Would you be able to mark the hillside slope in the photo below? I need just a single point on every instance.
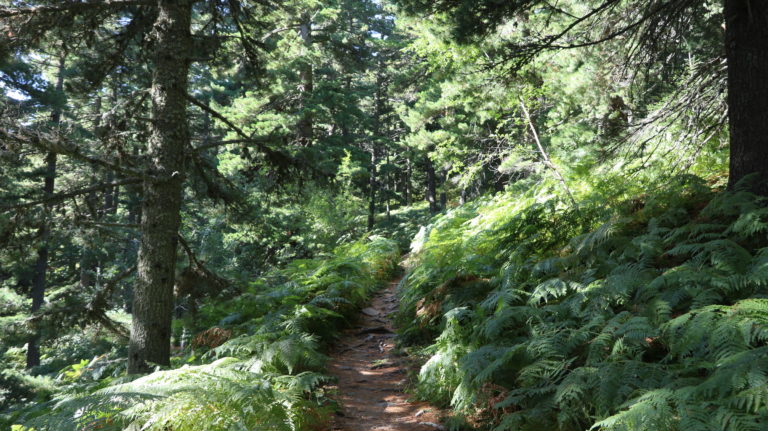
(642, 314)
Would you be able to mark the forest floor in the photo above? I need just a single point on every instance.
(372, 376)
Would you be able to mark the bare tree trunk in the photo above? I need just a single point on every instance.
(306, 75)
(746, 47)
(88, 263)
(408, 187)
(443, 187)
(37, 293)
(152, 309)
(372, 189)
(345, 134)
(431, 187)
(388, 189)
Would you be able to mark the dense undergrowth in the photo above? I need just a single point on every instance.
(644, 313)
(259, 366)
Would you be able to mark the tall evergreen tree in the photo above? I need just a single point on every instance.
(40, 271)
(166, 26)
(153, 294)
(654, 25)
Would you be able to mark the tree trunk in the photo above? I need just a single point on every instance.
(388, 189)
(112, 195)
(372, 190)
(345, 134)
(375, 139)
(408, 188)
(37, 292)
(306, 75)
(431, 192)
(746, 49)
(152, 309)
(88, 262)
(443, 189)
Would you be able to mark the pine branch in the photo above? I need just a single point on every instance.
(221, 282)
(246, 138)
(73, 193)
(37, 141)
(99, 303)
(106, 224)
(545, 156)
(77, 7)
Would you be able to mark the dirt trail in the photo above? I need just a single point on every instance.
(371, 377)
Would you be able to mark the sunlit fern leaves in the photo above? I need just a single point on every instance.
(654, 319)
(266, 377)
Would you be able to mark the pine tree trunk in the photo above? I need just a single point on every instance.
(408, 187)
(388, 189)
(431, 187)
(152, 309)
(345, 134)
(443, 189)
(372, 190)
(37, 292)
(306, 75)
(747, 54)
(88, 263)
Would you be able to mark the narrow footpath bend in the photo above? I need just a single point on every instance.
(371, 377)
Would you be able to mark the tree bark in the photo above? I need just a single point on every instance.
(306, 75)
(746, 48)
(388, 185)
(152, 308)
(431, 186)
(375, 139)
(88, 263)
(443, 189)
(37, 292)
(372, 190)
(408, 188)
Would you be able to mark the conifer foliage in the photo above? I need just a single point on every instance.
(197, 196)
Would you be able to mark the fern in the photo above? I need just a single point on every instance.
(654, 319)
(266, 377)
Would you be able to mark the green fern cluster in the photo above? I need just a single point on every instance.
(656, 319)
(268, 377)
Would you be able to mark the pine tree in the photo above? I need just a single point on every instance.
(166, 25)
(41, 264)
(655, 24)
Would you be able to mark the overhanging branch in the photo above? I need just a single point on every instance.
(38, 141)
(63, 196)
(9, 12)
(246, 138)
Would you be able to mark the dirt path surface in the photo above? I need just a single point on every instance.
(371, 377)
